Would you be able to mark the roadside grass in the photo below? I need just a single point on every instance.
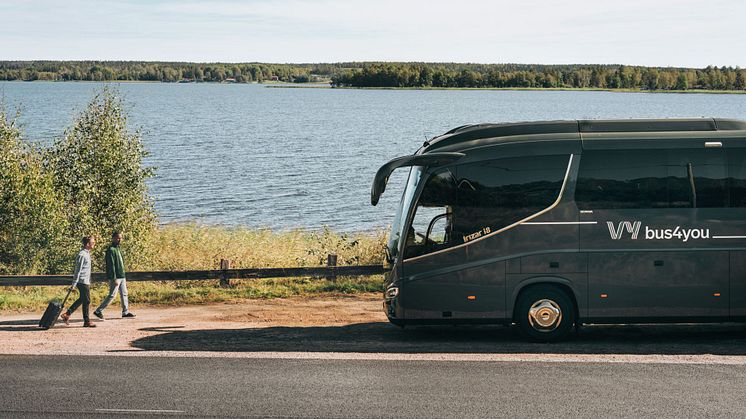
(20, 299)
(177, 247)
(193, 246)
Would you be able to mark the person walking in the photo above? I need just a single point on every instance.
(82, 279)
(116, 276)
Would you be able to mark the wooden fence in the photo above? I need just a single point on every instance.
(225, 274)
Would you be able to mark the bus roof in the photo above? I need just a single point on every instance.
(569, 136)
(611, 128)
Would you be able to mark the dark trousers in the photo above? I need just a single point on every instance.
(84, 299)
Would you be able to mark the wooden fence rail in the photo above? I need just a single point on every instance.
(225, 275)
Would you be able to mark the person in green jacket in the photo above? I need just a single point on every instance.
(116, 276)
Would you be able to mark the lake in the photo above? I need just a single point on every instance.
(246, 154)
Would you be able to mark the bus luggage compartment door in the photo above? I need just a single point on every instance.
(440, 287)
(658, 285)
(631, 277)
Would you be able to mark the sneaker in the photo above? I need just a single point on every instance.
(65, 318)
(88, 324)
(128, 316)
(98, 314)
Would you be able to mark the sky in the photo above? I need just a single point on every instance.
(678, 33)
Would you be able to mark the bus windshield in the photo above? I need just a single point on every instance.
(415, 174)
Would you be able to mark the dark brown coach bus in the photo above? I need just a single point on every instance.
(554, 224)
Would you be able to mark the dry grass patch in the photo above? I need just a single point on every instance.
(193, 246)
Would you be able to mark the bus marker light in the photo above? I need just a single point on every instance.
(604, 295)
(471, 297)
(717, 294)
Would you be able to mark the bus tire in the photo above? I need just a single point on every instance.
(545, 313)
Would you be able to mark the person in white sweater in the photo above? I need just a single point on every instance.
(82, 279)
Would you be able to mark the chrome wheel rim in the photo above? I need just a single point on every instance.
(545, 315)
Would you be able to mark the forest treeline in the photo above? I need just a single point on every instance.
(377, 74)
(161, 71)
(540, 76)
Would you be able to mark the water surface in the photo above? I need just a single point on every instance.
(245, 154)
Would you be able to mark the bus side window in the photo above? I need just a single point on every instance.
(636, 179)
(469, 201)
(497, 193)
(709, 175)
(433, 211)
(616, 179)
(737, 177)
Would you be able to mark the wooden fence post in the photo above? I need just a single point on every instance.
(225, 264)
(331, 261)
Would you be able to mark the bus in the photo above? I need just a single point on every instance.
(550, 225)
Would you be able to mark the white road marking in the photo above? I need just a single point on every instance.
(702, 359)
(137, 411)
(699, 359)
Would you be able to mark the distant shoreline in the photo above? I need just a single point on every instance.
(545, 89)
(391, 75)
(132, 81)
(285, 85)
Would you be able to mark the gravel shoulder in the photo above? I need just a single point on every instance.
(354, 327)
(20, 334)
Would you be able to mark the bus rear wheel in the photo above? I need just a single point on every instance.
(545, 313)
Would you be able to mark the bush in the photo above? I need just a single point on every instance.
(100, 175)
(32, 223)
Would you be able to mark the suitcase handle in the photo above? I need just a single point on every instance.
(69, 290)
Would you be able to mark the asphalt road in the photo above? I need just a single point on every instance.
(70, 386)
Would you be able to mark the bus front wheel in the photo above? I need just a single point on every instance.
(545, 313)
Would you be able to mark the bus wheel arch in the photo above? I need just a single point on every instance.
(545, 309)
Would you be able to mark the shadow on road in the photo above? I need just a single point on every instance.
(19, 322)
(19, 326)
(385, 338)
(21, 329)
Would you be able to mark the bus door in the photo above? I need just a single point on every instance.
(432, 265)
(647, 230)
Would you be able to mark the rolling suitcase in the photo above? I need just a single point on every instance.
(53, 311)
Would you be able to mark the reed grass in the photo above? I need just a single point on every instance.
(194, 246)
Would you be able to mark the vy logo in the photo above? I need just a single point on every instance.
(631, 227)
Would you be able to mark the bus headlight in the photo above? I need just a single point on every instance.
(391, 293)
